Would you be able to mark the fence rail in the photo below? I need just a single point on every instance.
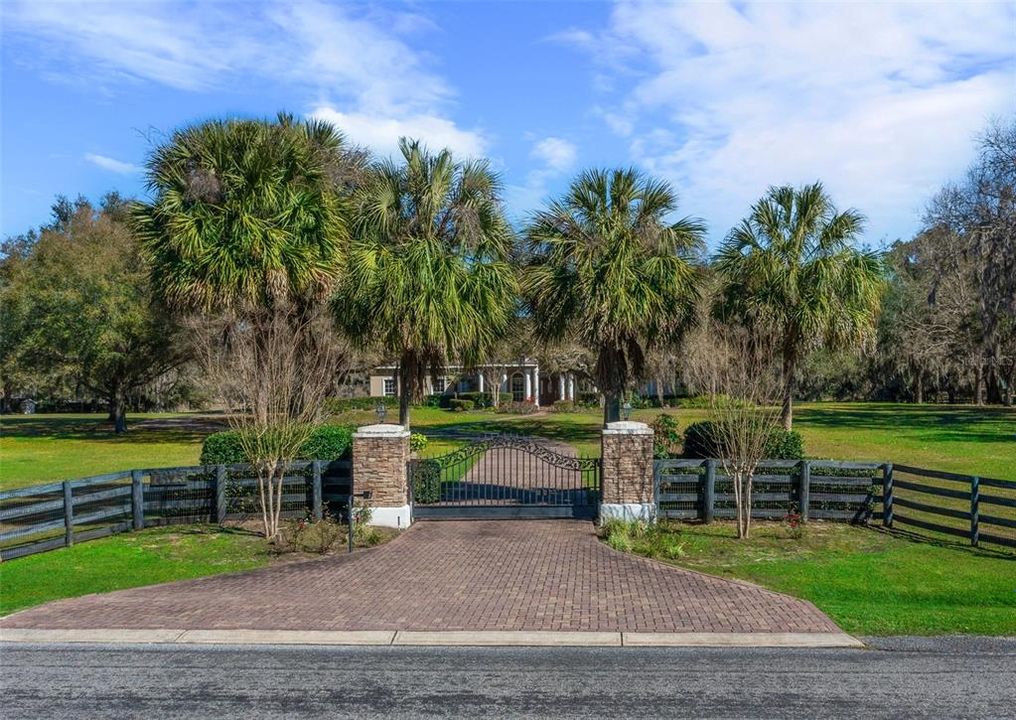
(931, 500)
(45, 517)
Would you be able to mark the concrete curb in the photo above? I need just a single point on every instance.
(519, 638)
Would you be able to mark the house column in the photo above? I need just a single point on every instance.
(571, 387)
(627, 472)
(536, 386)
(560, 387)
(380, 456)
(504, 382)
(529, 386)
(479, 375)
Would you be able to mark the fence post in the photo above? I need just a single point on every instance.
(220, 494)
(709, 495)
(975, 502)
(804, 491)
(887, 495)
(316, 490)
(68, 502)
(137, 500)
(352, 517)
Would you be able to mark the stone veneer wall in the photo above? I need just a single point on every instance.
(627, 457)
(380, 455)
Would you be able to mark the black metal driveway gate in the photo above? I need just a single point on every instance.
(502, 477)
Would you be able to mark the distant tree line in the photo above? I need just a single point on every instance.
(282, 226)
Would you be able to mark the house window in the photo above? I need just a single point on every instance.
(439, 385)
(390, 388)
(518, 388)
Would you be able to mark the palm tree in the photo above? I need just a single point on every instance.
(790, 267)
(608, 270)
(245, 213)
(429, 276)
(247, 224)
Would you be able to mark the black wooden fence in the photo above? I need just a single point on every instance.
(44, 517)
(980, 510)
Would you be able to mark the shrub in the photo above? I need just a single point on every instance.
(426, 481)
(326, 442)
(517, 408)
(700, 442)
(587, 399)
(563, 406)
(437, 400)
(417, 442)
(484, 399)
(458, 405)
(659, 539)
(222, 448)
(308, 536)
(666, 436)
(341, 405)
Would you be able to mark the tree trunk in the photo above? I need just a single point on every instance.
(979, 384)
(919, 390)
(789, 369)
(118, 412)
(611, 408)
(405, 391)
(659, 391)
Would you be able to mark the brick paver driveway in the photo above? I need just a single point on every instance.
(508, 575)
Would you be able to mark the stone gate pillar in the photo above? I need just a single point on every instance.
(627, 472)
(380, 456)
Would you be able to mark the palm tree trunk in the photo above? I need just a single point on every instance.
(611, 408)
(407, 376)
(789, 369)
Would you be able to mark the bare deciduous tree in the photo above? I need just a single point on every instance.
(273, 369)
(745, 372)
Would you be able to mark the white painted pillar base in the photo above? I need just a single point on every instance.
(392, 517)
(628, 512)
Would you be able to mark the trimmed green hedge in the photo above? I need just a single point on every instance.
(699, 442)
(327, 442)
(340, 405)
(457, 405)
(484, 399)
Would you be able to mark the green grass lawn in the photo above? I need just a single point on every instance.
(128, 560)
(869, 582)
(42, 448)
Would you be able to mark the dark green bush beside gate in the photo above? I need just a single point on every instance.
(327, 442)
(700, 442)
(426, 481)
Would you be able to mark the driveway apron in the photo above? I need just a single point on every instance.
(494, 575)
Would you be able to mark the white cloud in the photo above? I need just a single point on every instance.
(879, 100)
(343, 56)
(382, 133)
(113, 165)
(556, 156)
(555, 153)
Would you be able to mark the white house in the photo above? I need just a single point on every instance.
(520, 378)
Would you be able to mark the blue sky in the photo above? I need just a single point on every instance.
(879, 100)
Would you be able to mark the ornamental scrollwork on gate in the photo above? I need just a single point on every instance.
(532, 446)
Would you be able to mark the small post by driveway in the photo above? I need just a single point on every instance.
(380, 457)
(627, 467)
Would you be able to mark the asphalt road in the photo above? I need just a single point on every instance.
(960, 678)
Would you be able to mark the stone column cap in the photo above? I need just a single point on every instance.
(381, 430)
(627, 427)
